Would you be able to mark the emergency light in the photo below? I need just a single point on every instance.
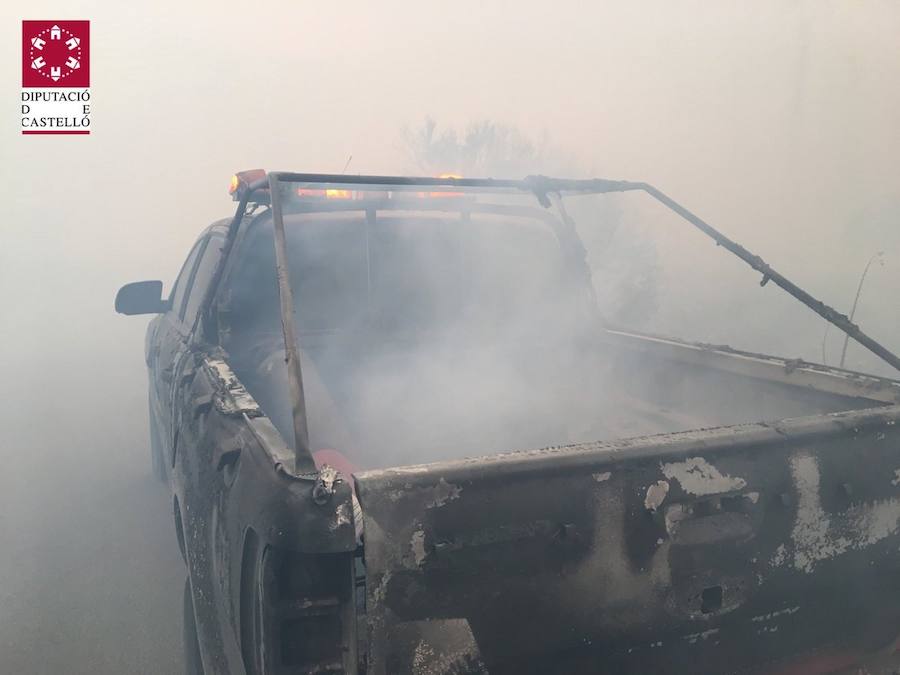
(242, 180)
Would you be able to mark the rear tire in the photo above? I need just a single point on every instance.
(193, 665)
(157, 462)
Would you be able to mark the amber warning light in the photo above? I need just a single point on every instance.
(242, 180)
(330, 193)
(454, 176)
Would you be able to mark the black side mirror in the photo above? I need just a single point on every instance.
(141, 297)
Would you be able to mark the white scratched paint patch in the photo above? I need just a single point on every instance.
(656, 493)
(341, 517)
(694, 637)
(601, 477)
(417, 545)
(816, 536)
(774, 615)
(699, 477)
(780, 556)
(444, 492)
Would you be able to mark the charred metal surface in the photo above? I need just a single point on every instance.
(687, 552)
(230, 396)
(270, 560)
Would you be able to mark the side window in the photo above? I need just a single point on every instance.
(202, 277)
(176, 298)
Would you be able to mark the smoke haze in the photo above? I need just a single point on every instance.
(774, 121)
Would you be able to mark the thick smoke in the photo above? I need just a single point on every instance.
(433, 327)
(775, 121)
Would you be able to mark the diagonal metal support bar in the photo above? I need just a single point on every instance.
(303, 459)
(541, 186)
(826, 312)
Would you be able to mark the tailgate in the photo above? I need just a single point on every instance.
(755, 548)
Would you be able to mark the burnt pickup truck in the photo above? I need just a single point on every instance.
(401, 439)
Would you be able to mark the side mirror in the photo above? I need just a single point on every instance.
(141, 297)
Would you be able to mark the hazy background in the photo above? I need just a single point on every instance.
(776, 121)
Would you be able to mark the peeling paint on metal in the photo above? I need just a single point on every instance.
(780, 556)
(342, 517)
(656, 493)
(602, 476)
(698, 477)
(232, 397)
(444, 492)
(813, 536)
(417, 544)
(379, 593)
(446, 648)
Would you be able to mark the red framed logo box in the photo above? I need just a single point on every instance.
(56, 54)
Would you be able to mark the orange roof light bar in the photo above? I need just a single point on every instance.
(329, 193)
(447, 194)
